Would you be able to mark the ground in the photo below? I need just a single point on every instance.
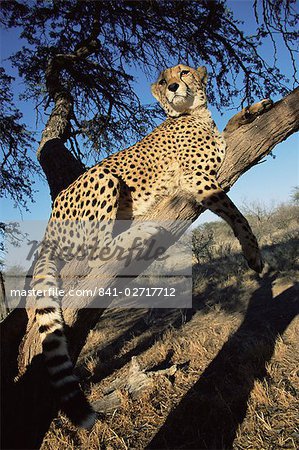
(226, 372)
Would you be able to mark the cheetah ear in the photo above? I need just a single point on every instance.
(155, 92)
(202, 71)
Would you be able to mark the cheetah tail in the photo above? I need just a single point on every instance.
(60, 367)
(50, 323)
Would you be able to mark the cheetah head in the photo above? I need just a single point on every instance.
(181, 90)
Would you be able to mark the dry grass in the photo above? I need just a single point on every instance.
(237, 355)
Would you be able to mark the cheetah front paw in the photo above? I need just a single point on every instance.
(257, 109)
(254, 258)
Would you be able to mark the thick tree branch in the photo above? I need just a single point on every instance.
(59, 121)
(58, 124)
(251, 143)
(245, 147)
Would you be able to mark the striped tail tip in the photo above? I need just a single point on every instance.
(79, 411)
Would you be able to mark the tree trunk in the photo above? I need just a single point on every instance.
(4, 309)
(59, 165)
(27, 403)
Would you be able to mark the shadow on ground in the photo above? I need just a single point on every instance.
(210, 413)
(149, 328)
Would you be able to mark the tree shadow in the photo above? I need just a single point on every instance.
(233, 300)
(280, 257)
(148, 334)
(151, 327)
(210, 413)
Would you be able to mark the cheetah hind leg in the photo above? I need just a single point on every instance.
(219, 203)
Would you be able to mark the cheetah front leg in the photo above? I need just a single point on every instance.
(247, 115)
(209, 194)
(220, 203)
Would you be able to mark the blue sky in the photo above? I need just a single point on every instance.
(270, 182)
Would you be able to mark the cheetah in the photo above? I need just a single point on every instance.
(183, 154)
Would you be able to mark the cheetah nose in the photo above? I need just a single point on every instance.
(173, 87)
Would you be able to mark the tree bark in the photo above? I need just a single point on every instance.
(59, 165)
(4, 310)
(28, 404)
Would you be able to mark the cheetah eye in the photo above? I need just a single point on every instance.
(185, 72)
(163, 81)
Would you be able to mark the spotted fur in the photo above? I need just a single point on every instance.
(183, 154)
